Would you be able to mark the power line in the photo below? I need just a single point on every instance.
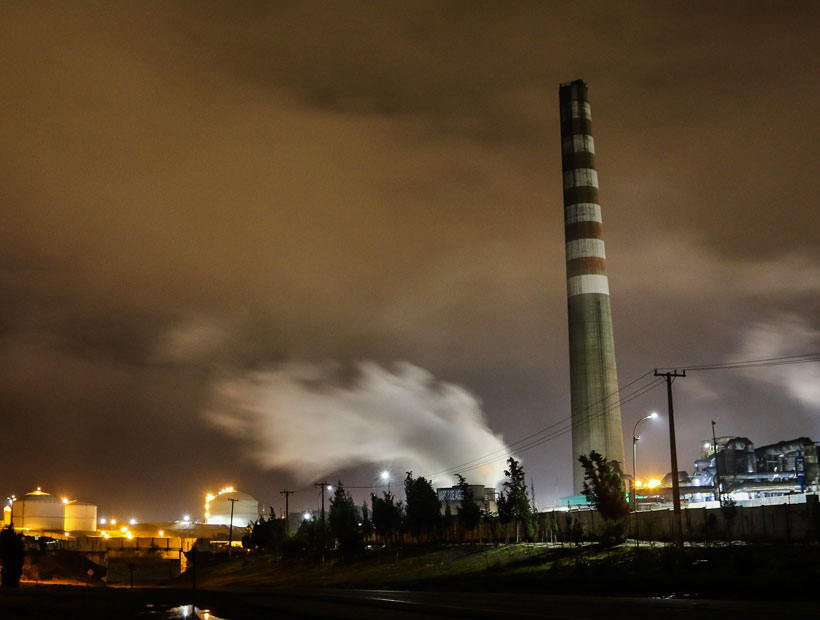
(755, 363)
(508, 447)
(567, 427)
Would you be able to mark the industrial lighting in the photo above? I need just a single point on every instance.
(129, 535)
(133, 521)
(186, 518)
(113, 522)
(161, 533)
(102, 520)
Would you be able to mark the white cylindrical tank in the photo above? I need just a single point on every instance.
(218, 508)
(80, 516)
(39, 511)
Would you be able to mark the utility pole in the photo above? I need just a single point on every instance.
(323, 485)
(230, 528)
(287, 494)
(673, 451)
(717, 467)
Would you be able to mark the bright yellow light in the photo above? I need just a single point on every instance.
(67, 534)
(638, 484)
(653, 483)
(129, 535)
(65, 500)
(106, 535)
(209, 497)
(161, 533)
(124, 528)
(113, 522)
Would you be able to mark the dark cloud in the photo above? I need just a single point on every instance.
(196, 187)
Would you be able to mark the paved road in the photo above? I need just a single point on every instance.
(367, 604)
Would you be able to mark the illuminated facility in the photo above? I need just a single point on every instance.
(42, 512)
(596, 413)
(228, 501)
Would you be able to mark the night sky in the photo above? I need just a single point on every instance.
(264, 244)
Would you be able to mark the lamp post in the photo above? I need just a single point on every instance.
(635, 438)
(385, 477)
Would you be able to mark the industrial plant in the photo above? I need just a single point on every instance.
(157, 549)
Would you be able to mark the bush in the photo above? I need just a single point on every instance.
(12, 555)
(613, 532)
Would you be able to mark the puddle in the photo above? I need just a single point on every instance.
(180, 612)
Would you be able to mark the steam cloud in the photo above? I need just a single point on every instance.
(303, 418)
(788, 335)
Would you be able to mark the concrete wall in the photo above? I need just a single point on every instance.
(776, 523)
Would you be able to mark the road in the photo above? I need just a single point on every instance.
(366, 604)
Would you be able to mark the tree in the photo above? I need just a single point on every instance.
(513, 502)
(387, 516)
(309, 539)
(604, 489)
(12, 555)
(423, 511)
(265, 535)
(469, 512)
(603, 486)
(367, 522)
(344, 523)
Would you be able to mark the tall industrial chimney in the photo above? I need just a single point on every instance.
(596, 413)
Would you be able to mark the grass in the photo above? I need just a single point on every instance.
(743, 571)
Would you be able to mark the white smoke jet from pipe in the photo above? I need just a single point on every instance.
(301, 418)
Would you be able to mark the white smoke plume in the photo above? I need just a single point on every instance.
(789, 335)
(302, 418)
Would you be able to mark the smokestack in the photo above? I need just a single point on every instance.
(596, 413)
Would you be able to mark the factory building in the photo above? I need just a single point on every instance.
(43, 512)
(747, 472)
(229, 503)
(596, 413)
(486, 498)
(744, 473)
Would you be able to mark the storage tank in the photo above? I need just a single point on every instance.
(39, 510)
(80, 516)
(218, 508)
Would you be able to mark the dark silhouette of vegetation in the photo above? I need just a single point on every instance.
(265, 535)
(469, 511)
(387, 516)
(345, 524)
(309, 540)
(423, 512)
(367, 522)
(604, 488)
(12, 555)
(514, 502)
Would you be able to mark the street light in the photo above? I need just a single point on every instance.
(635, 438)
